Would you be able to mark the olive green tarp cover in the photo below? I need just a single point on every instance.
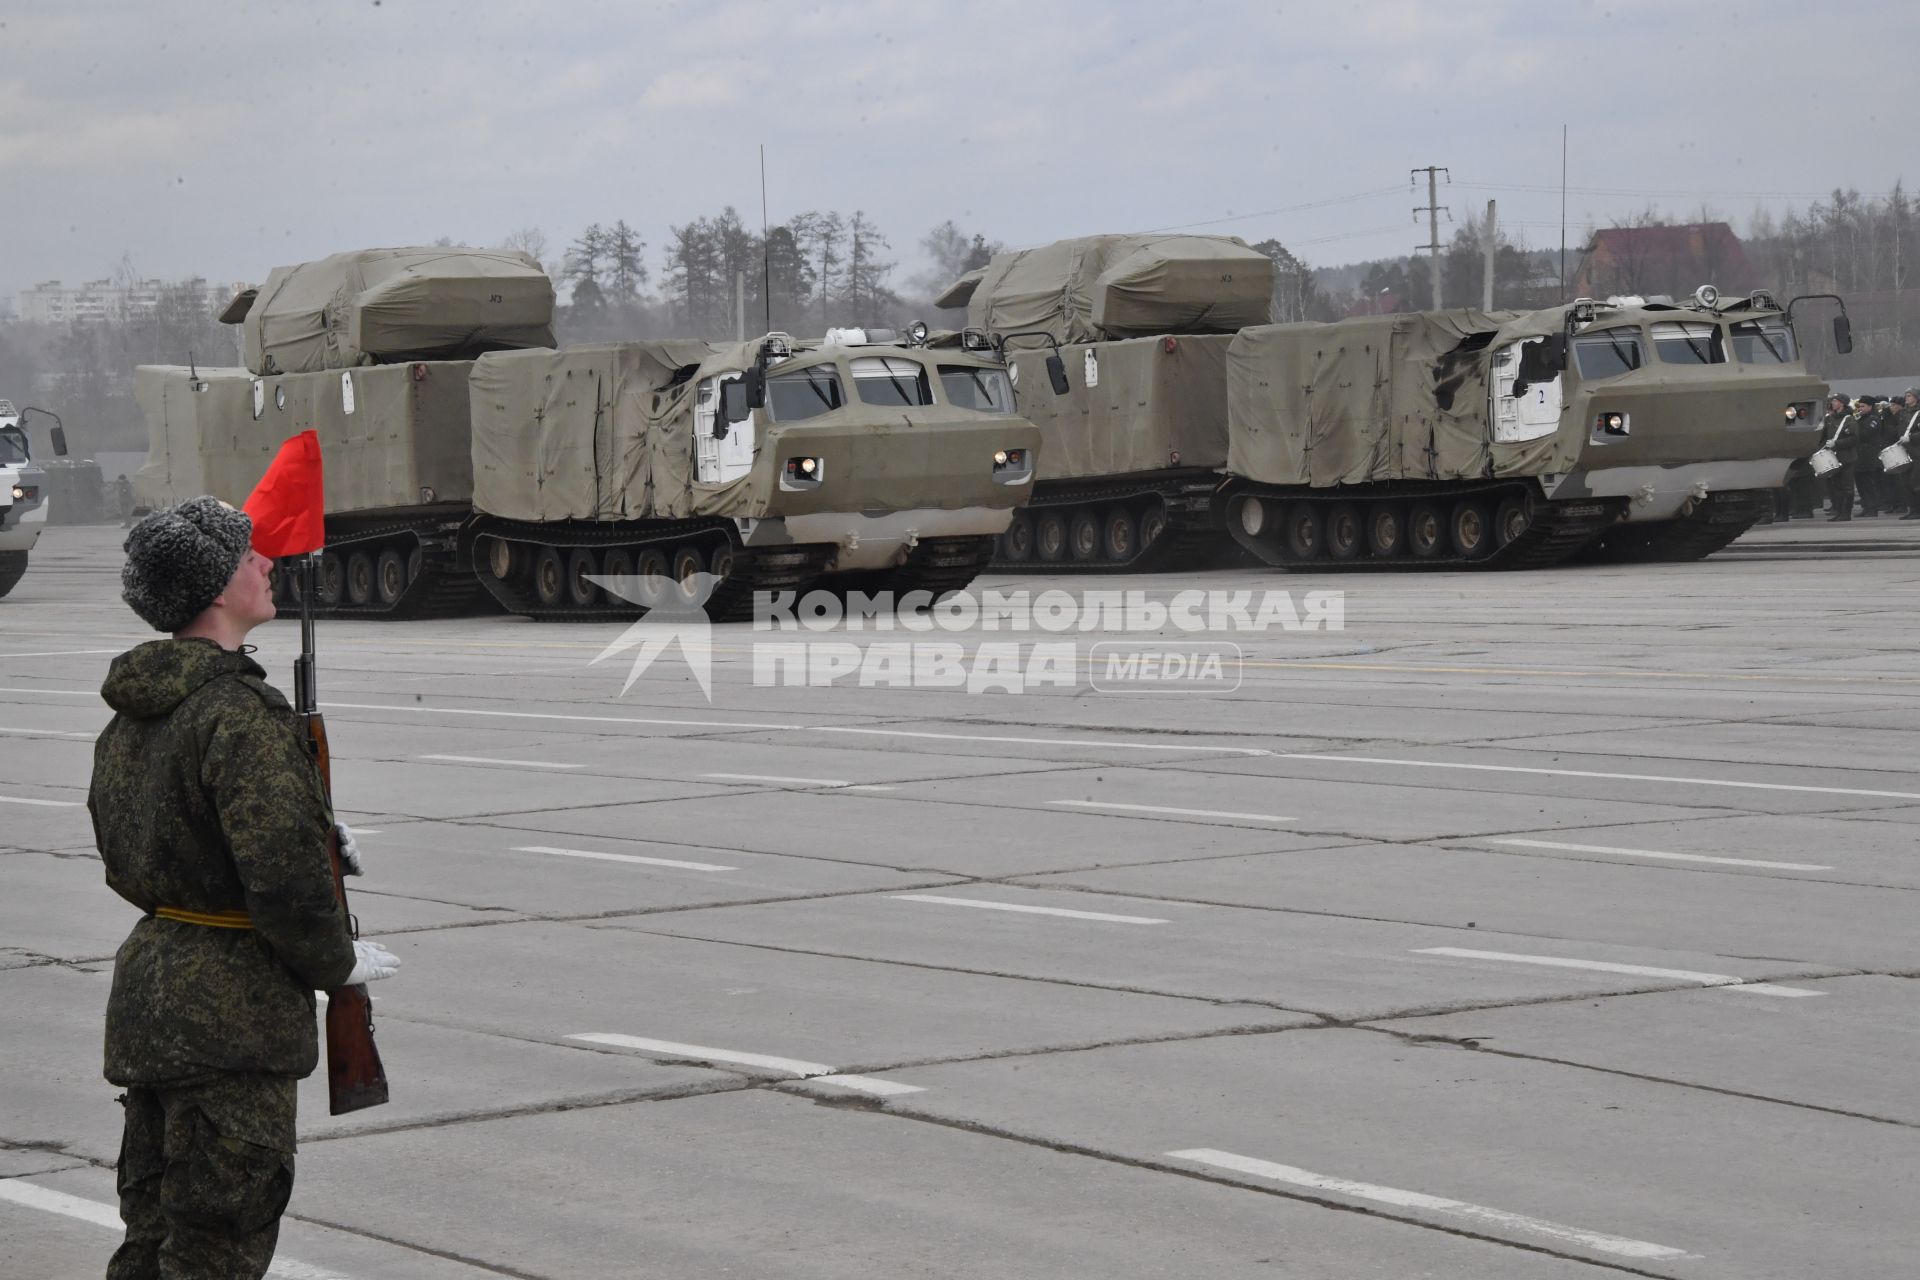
(1147, 404)
(1392, 397)
(597, 433)
(1122, 286)
(406, 432)
(379, 305)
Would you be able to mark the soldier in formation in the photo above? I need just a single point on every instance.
(1906, 433)
(1840, 434)
(210, 818)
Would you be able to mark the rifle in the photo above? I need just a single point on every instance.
(355, 1078)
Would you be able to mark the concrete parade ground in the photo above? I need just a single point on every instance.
(1534, 926)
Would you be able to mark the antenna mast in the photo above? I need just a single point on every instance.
(766, 246)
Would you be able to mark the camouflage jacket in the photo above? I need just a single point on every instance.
(204, 798)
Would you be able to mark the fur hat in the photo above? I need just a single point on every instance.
(180, 558)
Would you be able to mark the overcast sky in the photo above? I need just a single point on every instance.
(222, 139)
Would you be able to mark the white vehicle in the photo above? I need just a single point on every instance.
(23, 489)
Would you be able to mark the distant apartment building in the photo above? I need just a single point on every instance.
(52, 302)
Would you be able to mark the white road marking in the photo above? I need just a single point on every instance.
(60, 653)
(839, 783)
(816, 1071)
(521, 764)
(47, 1200)
(48, 733)
(538, 715)
(869, 1084)
(49, 804)
(1731, 981)
(68, 693)
(1654, 853)
(1026, 909)
(1032, 742)
(1619, 1246)
(1593, 773)
(621, 857)
(1158, 808)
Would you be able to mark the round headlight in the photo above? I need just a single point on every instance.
(999, 457)
(1614, 421)
(808, 465)
(1792, 413)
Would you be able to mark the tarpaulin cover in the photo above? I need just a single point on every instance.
(1122, 286)
(406, 432)
(1394, 397)
(382, 305)
(607, 433)
(1147, 404)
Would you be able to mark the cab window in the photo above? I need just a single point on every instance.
(13, 446)
(884, 380)
(804, 393)
(971, 387)
(1682, 343)
(1608, 353)
(1761, 342)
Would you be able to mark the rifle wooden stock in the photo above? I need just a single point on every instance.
(355, 1078)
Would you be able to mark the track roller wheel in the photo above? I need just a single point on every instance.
(616, 564)
(549, 577)
(1306, 531)
(1153, 523)
(504, 559)
(1016, 544)
(359, 579)
(333, 579)
(720, 563)
(580, 567)
(1050, 537)
(1426, 531)
(1345, 534)
(1083, 536)
(656, 577)
(1512, 519)
(390, 577)
(1386, 530)
(688, 565)
(1119, 537)
(1471, 530)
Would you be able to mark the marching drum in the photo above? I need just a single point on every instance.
(1895, 458)
(1824, 461)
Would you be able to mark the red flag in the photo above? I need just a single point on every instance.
(289, 504)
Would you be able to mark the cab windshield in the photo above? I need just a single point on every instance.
(1761, 342)
(885, 381)
(804, 393)
(970, 387)
(13, 445)
(1688, 344)
(1608, 353)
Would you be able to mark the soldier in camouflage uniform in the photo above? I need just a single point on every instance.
(210, 817)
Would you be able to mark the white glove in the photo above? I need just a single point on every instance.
(371, 962)
(349, 850)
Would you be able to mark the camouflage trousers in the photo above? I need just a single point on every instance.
(206, 1167)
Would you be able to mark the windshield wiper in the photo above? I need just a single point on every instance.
(1778, 354)
(1704, 352)
(1628, 352)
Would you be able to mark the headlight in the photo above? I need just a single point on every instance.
(1612, 424)
(19, 494)
(1792, 413)
(999, 458)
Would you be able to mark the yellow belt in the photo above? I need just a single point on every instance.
(211, 919)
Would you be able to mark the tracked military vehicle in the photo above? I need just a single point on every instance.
(23, 493)
(1629, 430)
(768, 465)
(1119, 347)
(370, 349)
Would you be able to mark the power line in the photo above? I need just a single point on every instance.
(1268, 213)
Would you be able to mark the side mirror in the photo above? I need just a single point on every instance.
(1555, 356)
(1057, 373)
(1842, 334)
(733, 407)
(58, 432)
(59, 442)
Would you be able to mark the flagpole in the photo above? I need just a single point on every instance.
(306, 690)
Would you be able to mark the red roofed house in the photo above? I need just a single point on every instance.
(1674, 260)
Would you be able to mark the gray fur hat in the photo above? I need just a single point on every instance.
(180, 558)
